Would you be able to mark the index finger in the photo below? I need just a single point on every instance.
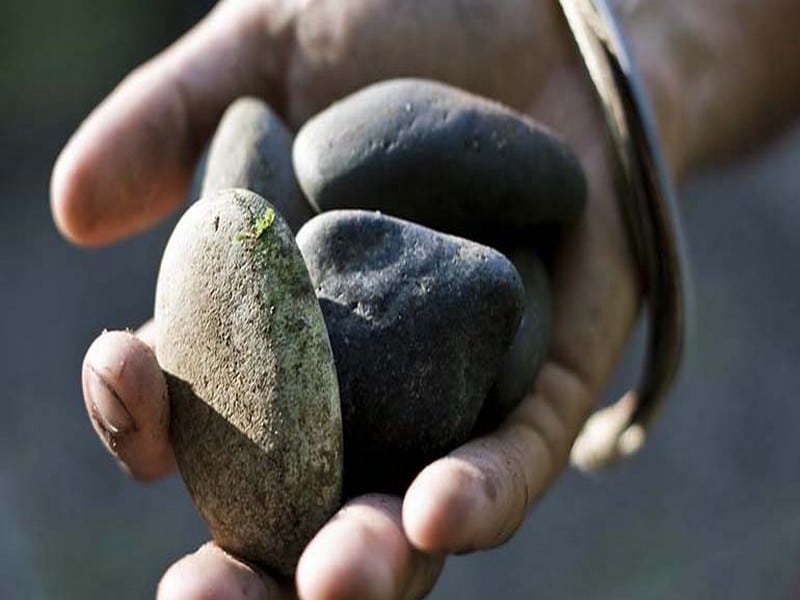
(130, 162)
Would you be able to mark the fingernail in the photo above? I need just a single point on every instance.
(108, 407)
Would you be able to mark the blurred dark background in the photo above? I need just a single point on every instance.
(710, 509)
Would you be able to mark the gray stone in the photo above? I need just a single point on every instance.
(438, 156)
(529, 348)
(419, 323)
(252, 149)
(255, 416)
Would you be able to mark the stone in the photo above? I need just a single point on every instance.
(252, 149)
(531, 343)
(440, 157)
(255, 415)
(419, 323)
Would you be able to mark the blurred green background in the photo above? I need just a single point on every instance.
(57, 58)
(70, 525)
(711, 509)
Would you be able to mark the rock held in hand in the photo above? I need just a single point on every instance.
(438, 156)
(255, 415)
(419, 323)
(252, 149)
(530, 346)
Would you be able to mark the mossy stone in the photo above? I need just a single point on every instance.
(255, 414)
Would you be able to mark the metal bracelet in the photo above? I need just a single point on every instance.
(653, 228)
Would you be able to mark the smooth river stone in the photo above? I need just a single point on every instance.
(255, 415)
(438, 156)
(419, 323)
(530, 346)
(252, 149)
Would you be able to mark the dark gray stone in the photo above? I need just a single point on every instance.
(419, 323)
(255, 414)
(530, 346)
(438, 156)
(252, 149)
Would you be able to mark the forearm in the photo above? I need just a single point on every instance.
(722, 74)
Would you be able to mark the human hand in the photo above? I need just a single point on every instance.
(131, 162)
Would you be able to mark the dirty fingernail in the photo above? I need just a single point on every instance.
(108, 407)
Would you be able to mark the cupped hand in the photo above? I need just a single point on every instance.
(130, 164)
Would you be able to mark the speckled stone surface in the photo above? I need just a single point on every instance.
(419, 323)
(530, 346)
(438, 156)
(252, 149)
(256, 421)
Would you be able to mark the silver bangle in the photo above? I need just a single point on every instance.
(653, 228)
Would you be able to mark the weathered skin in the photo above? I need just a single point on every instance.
(256, 422)
(252, 149)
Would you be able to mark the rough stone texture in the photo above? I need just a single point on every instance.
(419, 324)
(530, 346)
(252, 149)
(256, 423)
(438, 156)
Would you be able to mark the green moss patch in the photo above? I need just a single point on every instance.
(259, 228)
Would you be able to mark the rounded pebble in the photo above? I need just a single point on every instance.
(255, 414)
(529, 349)
(438, 156)
(252, 150)
(419, 323)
